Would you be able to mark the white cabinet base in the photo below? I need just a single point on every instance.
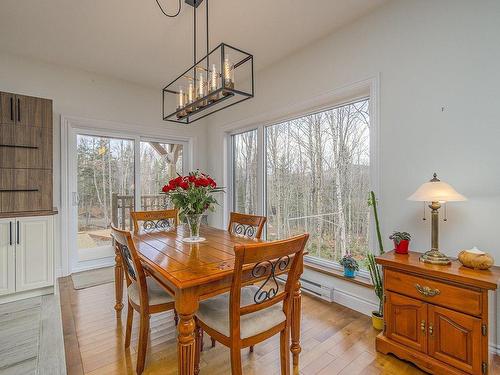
(26, 257)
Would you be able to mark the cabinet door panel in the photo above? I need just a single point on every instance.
(7, 108)
(25, 190)
(7, 257)
(455, 339)
(34, 253)
(406, 321)
(29, 111)
(25, 147)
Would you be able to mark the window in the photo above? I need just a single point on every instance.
(316, 173)
(318, 180)
(245, 172)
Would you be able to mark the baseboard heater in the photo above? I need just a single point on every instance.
(316, 289)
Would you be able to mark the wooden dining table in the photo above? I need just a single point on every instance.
(192, 272)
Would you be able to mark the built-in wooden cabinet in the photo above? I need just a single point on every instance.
(26, 253)
(25, 154)
(436, 316)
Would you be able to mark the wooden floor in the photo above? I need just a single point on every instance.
(335, 340)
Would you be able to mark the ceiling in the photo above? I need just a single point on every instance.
(132, 40)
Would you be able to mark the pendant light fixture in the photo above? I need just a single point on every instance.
(220, 79)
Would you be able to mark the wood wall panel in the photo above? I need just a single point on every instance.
(26, 145)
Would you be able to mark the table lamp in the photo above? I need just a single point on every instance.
(436, 192)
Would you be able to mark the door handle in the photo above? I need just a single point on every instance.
(422, 326)
(75, 198)
(10, 233)
(17, 233)
(18, 109)
(431, 329)
(11, 109)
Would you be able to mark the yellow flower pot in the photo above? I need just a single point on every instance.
(377, 321)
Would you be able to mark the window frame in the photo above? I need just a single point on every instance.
(366, 89)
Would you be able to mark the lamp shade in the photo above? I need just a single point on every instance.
(436, 191)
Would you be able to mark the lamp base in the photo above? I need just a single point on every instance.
(434, 257)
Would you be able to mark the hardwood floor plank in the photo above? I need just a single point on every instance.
(335, 340)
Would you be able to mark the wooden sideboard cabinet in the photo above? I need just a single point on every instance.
(436, 316)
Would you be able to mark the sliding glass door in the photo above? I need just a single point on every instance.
(159, 162)
(104, 176)
(110, 176)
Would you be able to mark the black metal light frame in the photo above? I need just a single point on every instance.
(225, 94)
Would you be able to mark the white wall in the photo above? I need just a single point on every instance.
(438, 63)
(82, 94)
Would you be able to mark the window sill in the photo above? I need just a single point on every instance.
(338, 274)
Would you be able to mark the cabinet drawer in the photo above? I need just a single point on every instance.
(433, 291)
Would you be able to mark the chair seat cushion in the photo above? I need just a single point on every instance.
(157, 295)
(214, 312)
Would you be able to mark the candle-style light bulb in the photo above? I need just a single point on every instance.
(213, 80)
(200, 87)
(181, 97)
(190, 93)
(227, 70)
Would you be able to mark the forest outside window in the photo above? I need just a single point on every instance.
(316, 173)
(245, 172)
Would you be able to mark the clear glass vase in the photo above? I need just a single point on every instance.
(194, 222)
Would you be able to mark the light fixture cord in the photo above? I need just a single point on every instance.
(165, 13)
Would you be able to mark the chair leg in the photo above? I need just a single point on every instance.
(143, 342)
(285, 351)
(236, 360)
(213, 342)
(128, 329)
(198, 333)
(202, 340)
(176, 318)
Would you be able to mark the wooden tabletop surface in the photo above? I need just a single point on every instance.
(187, 264)
(488, 279)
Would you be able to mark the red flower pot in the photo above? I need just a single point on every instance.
(402, 247)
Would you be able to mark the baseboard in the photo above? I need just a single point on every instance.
(27, 294)
(354, 302)
(93, 266)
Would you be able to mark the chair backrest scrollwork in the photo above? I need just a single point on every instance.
(250, 226)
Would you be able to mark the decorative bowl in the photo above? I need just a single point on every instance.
(476, 259)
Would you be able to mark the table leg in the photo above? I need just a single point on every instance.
(295, 326)
(186, 305)
(118, 283)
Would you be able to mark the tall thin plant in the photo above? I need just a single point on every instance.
(373, 267)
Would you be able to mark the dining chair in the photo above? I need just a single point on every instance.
(153, 221)
(145, 295)
(245, 225)
(248, 315)
(250, 226)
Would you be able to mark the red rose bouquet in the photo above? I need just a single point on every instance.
(192, 195)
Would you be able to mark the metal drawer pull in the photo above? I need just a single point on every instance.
(422, 326)
(431, 329)
(427, 291)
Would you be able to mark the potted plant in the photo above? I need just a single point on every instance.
(350, 265)
(401, 241)
(192, 195)
(375, 274)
